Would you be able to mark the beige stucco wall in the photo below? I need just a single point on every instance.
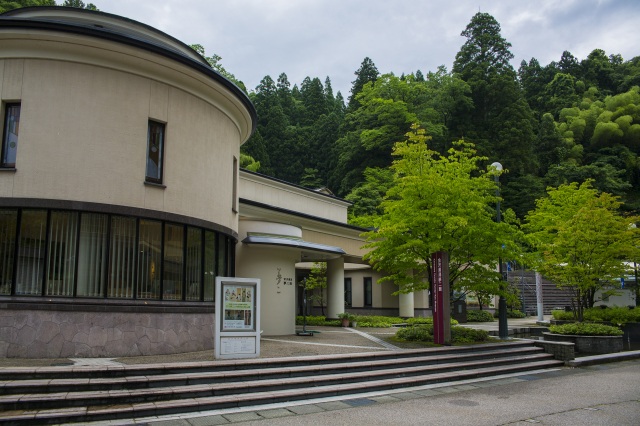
(286, 196)
(275, 266)
(83, 127)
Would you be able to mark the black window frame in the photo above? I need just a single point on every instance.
(7, 106)
(368, 291)
(154, 124)
(348, 293)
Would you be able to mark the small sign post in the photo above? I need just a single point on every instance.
(441, 309)
(237, 325)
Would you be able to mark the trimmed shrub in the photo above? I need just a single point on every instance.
(562, 315)
(459, 335)
(418, 333)
(615, 315)
(585, 329)
(479, 316)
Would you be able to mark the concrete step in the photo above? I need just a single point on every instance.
(190, 388)
(72, 372)
(56, 385)
(254, 382)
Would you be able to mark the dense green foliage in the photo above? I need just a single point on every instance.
(581, 240)
(459, 335)
(585, 329)
(613, 315)
(563, 122)
(440, 203)
(479, 316)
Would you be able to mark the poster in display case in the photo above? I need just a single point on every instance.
(237, 318)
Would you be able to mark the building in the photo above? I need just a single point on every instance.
(121, 198)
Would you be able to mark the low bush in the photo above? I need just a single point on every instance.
(562, 315)
(312, 320)
(615, 315)
(417, 333)
(424, 320)
(585, 329)
(459, 335)
(374, 321)
(514, 313)
(479, 316)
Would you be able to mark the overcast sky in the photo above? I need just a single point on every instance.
(320, 38)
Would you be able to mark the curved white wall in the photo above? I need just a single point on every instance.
(85, 106)
(276, 268)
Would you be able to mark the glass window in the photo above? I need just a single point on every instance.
(10, 135)
(222, 256)
(194, 263)
(31, 250)
(155, 151)
(149, 259)
(209, 265)
(368, 291)
(8, 227)
(172, 269)
(62, 254)
(122, 257)
(92, 255)
(347, 292)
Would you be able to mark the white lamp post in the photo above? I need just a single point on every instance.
(503, 331)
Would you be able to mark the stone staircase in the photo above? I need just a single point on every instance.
(552, 296)
(53, 395)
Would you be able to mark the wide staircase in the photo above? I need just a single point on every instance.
(66, 394)
(552, 296)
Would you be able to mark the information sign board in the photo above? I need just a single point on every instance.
(237, 329)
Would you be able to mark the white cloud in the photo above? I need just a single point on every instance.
(320, 38)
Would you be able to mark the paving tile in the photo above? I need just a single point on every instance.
(333, 405)
(428, 392)
(382, 399)
(242, 417)
(305, 409)
(172, 422)
(407, 395)
(448, 389)
(465, 387)
(208, 421)
(275, 413)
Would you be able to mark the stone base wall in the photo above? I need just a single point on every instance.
(562, 351)
(589, 344)
(70, 334)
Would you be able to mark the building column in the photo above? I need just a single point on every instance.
(335, 287)
(406, 305)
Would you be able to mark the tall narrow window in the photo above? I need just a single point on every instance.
(155, 151)
(122, 257)
(10, 135)
(62, 254)
(92, 255)
(222, 257)
(194, 263)
(149, 259)
(31, 250)
(347, 292)
(209, 265)
(8, 227)
(172, 269)
(368, 291)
